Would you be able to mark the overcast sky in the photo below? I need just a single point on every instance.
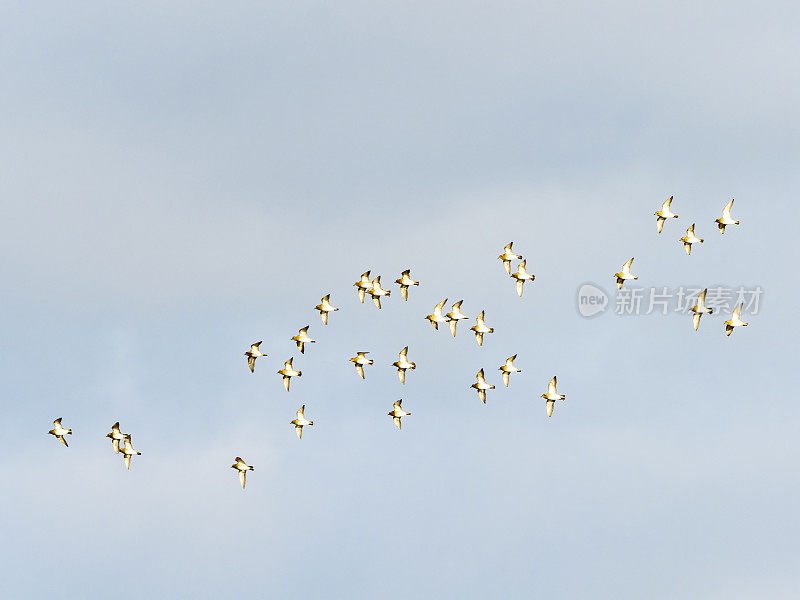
(181, 179)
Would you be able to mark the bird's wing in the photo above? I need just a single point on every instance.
(626, 268)
(298, 429)
(453, 324)
(667, 202)
(737, 312)
(701, 299)
(726, 212)
(127, 459)
(520, 282)
(286, 380)
(397, 422)
(482, 395)
(479, 337)
(360, 370)
(242, 477)
(696, 320)
(507, 247)
(688, 247)
(251, 362)
(505, 378)
(660, 224)
(115, 444)
(551, 387)
(401, 374)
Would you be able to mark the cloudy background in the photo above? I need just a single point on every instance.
(178, 180)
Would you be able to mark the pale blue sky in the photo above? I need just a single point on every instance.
(181, 179)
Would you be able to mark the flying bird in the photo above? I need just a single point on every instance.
(481, 328)
(700, 309)
(243, 468)
(454, 316)
(507, 256)
(551, 396)
(362, 285)
(128, 451)
(324, 307)
(288, 372)
(482, 386)
(521, 275)
(300, 422)
(360, 359)
(252, 355)
(397, 413)
(302, 338)
(404, 281)
(735, 320)
(437, 317)
(726, 219)
(509, 368)
(116, 436)
(625, 274)
(664, 214)
(402, 364)
(689, 239)
(60, 431)
(376, 291)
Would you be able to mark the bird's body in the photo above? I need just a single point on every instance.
(480, 328)
(252, 355)
(509, 368)
(735, 320)
(288, 372)
(625, 274)
(726, 218)
(362, 285)
(664, 214)
(376, 291)
(690, 238)
(242, 467)
(360, 360)
(302, 338)
(404, 281)
(437, 316)
(700, 309)
(398, 413)
(454, 316)
(116, 436)
(300, 422)
(507, 256)
(482, 386)
(128, 450)
(402, 363)
(551, 396)
(59, 431)
(325, 307)
(522, 275)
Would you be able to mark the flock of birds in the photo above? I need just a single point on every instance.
(699, 309)
(373, 287)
